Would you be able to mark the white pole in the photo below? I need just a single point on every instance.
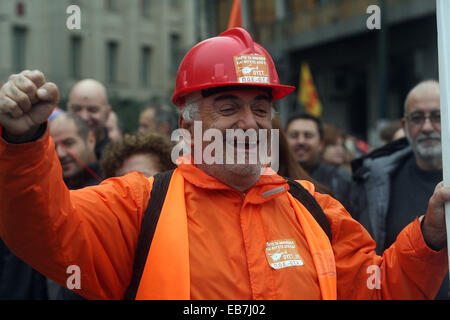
(443, 23)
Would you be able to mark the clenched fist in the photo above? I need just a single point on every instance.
(26, 102)
(433, 226)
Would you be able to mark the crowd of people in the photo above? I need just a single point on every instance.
(219, 227)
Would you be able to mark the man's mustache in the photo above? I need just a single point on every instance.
(300, 147)
(66, 160)
(427, 136)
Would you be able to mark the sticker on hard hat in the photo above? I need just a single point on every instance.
(251, 68)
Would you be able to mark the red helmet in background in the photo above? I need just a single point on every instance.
(231, 58)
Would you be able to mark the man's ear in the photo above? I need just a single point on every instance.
(188, 132)
(321, 145)
(69, 106)
(91, 141)
(108, 110)
(403, 122)
(183, 124)
(164, 128)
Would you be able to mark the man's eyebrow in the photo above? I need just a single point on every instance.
(226, 97)
(263, 97)
(419, 113)
(234, 97)
(68, 139)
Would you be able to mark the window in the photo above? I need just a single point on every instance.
(112, 56)
(145, 66)
(145, 6)
(19, 49)
(298, 6)
(20, 9)
(175, 3)
(175, 51)
(263, 11)
(223, 11)
(74, 2)
(75, 57)
(111, 5)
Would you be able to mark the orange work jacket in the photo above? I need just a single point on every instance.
(166, 272)
(240, 246)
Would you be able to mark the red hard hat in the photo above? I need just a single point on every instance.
(231, 58)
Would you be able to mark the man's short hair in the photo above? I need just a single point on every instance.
(214, 90)
(151, 143)
(306, 116)
(163, 114)
(82, 126)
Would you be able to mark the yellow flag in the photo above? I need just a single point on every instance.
(307, 95)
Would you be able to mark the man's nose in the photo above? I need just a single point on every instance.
(300, 138)
(84, 114)
(247, 119)
(427, 125)
(60, 151)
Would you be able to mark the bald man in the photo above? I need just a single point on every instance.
(422, 125)
(394, 183)
(88, 99)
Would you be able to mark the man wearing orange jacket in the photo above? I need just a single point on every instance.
(224, 231)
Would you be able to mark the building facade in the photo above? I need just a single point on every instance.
(133, 46)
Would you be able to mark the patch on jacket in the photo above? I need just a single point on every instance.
(283, 253)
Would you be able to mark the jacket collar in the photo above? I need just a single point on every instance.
(266, 188)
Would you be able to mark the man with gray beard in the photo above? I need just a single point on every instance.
(398, 179)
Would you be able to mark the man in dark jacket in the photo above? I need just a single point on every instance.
(305, 136)
(392, 185)
(75, 146)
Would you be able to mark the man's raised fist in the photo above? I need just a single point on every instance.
(26, 102)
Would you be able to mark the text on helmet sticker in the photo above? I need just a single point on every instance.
(251, 68)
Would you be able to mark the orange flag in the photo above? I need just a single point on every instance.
(307, 95)
(235, 16)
